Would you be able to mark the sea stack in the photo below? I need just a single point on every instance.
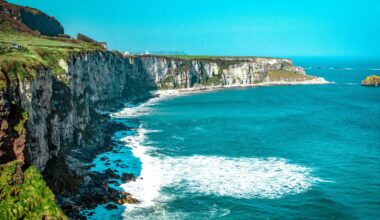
(372, 80)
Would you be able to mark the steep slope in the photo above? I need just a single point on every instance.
(177, 72)
(30, 18)
(24, 195)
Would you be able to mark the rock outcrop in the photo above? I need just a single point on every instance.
(34, 19)
(371, 81)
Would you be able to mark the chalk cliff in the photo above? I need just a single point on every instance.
(184, 72)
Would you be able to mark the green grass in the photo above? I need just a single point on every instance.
(24, 195)
(23, 54)
(213, 81)
(167, 82)
(36, 41)
(20, 126)
(283, 75)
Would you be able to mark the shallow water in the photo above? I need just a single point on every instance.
(308, 151)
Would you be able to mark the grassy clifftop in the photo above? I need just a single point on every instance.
(23, 54)
(24, 51)
(24, 195)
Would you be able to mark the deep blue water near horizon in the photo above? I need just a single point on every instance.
(281, 152)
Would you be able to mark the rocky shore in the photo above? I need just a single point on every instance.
(54, 92)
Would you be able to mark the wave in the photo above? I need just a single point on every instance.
(328, 67)
(133, 111)
(267, 178)
(351, 84)
(136, 111)
(242, 177)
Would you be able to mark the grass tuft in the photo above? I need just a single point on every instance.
(24, 195)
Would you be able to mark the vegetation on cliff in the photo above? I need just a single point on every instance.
(373, 80)
(23, 51)
(23, 54)
(24, 195)
(283, 75)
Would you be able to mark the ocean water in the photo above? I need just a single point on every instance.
(281, 152)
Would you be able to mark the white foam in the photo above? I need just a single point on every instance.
(145, 108)
(135, 111)
(267, 178)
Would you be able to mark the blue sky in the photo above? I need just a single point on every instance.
(225, 27)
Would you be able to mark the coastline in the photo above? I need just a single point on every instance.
(173, 92)
(146, 182)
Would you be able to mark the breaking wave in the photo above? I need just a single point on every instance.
(267, 178)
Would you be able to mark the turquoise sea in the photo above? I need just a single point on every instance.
(281, 152)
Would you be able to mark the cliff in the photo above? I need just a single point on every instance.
(30, 19)
(178, 72)
(54, 111)
(98, 81)
(53, 90)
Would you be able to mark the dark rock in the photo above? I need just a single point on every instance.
(104, 159)
(110, 206)
(91, 213)
(114, 182)
(41, 22)
(64, 36)
(126, 177)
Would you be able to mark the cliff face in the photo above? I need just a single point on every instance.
(59, 114)
(172, 73)
(61, 109)
(51, 118)
(31, 18)
(39, 21)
